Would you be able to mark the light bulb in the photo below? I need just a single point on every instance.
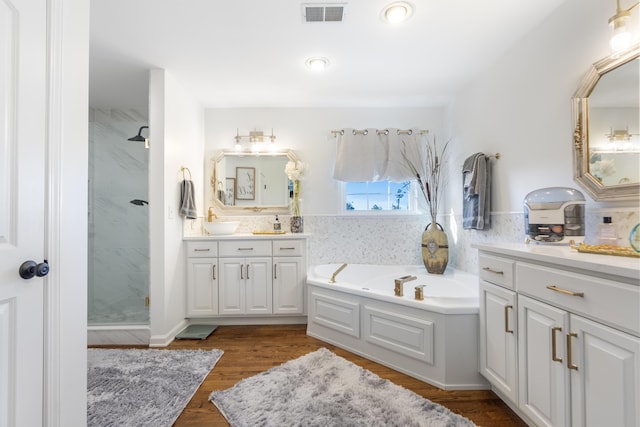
(396, 14)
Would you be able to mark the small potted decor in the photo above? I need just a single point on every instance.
(425, 163)
(296, 170)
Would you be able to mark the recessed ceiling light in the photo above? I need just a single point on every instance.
(397, 12)
(317, 63)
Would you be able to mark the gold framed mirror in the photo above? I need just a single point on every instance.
(606, 143)
(256, 182)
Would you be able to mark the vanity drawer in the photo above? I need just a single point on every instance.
(245, 248)
(288, 248)
(202, 249)
(616, 304)
(496, 270)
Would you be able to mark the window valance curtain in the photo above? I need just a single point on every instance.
(375, 155)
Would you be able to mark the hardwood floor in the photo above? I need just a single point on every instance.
(249, 350)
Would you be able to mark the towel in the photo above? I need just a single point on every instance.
(476, 191)
(187, 201)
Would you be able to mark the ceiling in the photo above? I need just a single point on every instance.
(251, 53)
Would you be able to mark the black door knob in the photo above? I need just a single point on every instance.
(30, 268)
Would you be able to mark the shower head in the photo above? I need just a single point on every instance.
(139, 137)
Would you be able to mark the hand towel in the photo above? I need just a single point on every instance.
(187, 200)
(476, 190)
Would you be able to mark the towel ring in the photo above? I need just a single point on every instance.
(182, 169)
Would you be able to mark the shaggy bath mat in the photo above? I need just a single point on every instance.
(143, 387)
(323, 389)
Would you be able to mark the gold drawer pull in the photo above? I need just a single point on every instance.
(554, 357)
(245, 249)
(506, 319)
(286, 249)
(201, 250)
(570, 363)
(566, 292)
(490, 270)
(213, 272)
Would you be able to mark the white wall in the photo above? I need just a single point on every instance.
(307, 131)
(176, 124)
(521, 107)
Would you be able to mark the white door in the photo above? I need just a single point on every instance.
(258, 286)
(543, 379)
(288, 288)
(605, 380)
(498, 329)
(22, 146)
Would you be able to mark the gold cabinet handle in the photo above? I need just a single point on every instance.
(554, 357)
(566, 292)
(245, 249)
(241, 267)
(248, 271)
(490, 270)
(506, 319)
(201, 249)
(286, 249)
(570, 363)
(213, 272)
(275, 271)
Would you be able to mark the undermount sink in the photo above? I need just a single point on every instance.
(221, 227)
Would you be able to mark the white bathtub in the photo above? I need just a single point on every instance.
(435, 340)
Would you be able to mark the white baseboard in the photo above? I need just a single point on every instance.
(166, 339)
(119, 335)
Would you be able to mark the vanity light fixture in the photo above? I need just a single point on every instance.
(140, 138)
(255, 137)
(619, 135)
(397, 12)
(317, 63)
(621, 38)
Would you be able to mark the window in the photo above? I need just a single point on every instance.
(379, 196)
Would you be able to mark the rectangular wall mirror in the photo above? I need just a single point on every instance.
(251, 182)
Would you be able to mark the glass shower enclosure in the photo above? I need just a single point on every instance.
(118, 245)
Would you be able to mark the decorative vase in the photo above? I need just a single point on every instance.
(435, 248)
(297, 222)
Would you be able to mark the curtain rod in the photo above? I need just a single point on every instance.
(335, 133)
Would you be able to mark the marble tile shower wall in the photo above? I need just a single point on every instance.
(397, 239)
(118, 230)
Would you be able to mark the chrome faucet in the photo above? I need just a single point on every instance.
(398, 291)
(335, 273)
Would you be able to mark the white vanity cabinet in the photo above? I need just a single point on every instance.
(202, 279)
(289, 269)
(245, 282)
(498, 320)
(245, 278)
(576, 329)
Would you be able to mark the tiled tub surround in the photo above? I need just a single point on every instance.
(118, 230)
(396, 239)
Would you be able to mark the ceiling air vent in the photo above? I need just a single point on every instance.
(323, 12)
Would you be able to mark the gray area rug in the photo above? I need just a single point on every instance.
(323, 389)
(143, 387)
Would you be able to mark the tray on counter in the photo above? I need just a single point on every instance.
(607, 250)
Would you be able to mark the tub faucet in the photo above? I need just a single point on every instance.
(401, 281)
(335, 273)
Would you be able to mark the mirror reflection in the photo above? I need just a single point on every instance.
(606, 143)
(251, 181)
(614, 148)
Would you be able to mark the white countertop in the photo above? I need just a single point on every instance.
(625, 267)
(248, 236)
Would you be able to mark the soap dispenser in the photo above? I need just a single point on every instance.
(607, 232)
(277, 226)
